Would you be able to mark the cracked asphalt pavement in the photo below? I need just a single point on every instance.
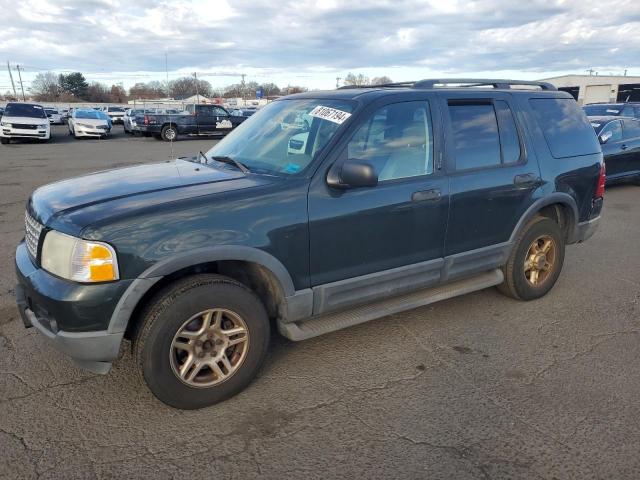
(475, 387)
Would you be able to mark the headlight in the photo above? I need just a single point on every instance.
(5, 124)
(43, 126)
(79, 260)
(84, 125)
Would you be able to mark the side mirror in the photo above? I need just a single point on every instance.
(352, 174)
(604, 138)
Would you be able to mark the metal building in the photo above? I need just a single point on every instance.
(599, 88)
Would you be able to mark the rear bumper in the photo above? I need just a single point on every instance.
(585, 230)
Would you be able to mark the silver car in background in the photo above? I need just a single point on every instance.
(129, 120)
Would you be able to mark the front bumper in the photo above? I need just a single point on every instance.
(90, 132)
(21, 133)
(73, 317)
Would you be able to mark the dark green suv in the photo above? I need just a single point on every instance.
(372, 201)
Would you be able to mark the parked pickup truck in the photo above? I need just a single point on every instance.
(196, 120)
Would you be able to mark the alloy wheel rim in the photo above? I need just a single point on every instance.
(171, 134)
(209, 348)
(540, 260)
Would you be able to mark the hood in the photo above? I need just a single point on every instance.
(92, 121)
(164, 179)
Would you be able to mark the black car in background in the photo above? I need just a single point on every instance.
(620, 140)
(630, 109)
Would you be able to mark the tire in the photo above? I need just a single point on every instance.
(5, 140)
(169, 133)
(519, 282)
(179, 308)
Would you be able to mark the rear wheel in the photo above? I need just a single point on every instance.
(169, 133)
(535, 262)
(202, 341)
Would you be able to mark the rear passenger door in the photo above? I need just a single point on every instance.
(631, 144)
(492, 178)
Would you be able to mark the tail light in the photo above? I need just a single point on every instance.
(146, 120)
(599, 193)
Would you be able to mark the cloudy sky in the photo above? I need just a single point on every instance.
(311, 42)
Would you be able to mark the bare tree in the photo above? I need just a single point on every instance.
(118, 95)
(356, 80)
(45, 87)
(186, 87)
(381, 80)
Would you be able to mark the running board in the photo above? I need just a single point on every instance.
(331, 322)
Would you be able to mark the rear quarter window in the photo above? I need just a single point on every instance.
(565, 127)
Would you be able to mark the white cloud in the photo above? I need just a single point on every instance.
(312, 42)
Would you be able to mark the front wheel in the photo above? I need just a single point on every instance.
(202, 340)
(169, 133)
(535, 262)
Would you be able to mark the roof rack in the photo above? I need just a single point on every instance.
(460, 83)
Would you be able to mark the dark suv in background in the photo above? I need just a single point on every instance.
(620, 139)
(628, 109)
(384, 199)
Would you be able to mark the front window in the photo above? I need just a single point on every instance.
(24, 110)
(613, 130)
(285, 136)
(89, 114)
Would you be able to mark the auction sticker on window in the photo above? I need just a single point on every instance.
(332, 114)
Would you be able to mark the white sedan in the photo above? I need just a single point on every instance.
(89, 123)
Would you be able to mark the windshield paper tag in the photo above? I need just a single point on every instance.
(610, 110)
(595, 125)
(332, 114)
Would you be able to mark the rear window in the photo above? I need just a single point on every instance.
(475, 135)
(25, 110)
(602, 110)
(565, 127)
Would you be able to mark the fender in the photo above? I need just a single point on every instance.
(141, 285)
(556, 197)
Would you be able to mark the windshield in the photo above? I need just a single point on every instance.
(601, 110)
(285, 136)
(89, 114)
(116, 109)
(51, 110)
(24, 110)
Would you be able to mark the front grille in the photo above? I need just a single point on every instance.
(24, 126)
(32, 234)
(102, 127)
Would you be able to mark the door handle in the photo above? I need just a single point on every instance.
(526, 179)
(623, 146)
(426, 195)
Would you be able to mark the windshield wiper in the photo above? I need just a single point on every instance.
(224, 159)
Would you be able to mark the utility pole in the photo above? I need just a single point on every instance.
(195, 75)
(166, 69)
(242, 85)
(21, 86)
(338, 82)
(11, 77)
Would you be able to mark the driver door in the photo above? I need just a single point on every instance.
(370, 242)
